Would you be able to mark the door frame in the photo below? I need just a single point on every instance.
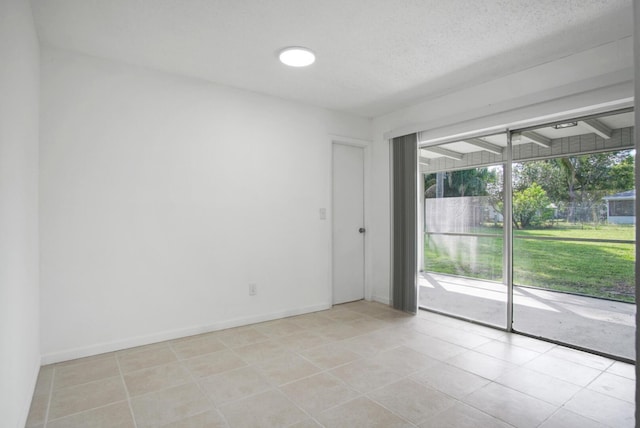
(367, 147)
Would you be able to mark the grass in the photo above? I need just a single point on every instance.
(591, 268)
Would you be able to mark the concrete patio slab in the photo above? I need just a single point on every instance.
(601, 325)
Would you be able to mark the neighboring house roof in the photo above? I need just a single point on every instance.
(629, 194)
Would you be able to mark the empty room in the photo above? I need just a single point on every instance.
(244, 213)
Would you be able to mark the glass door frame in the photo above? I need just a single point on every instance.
(509, 197)
(508, 236)
(506, 245)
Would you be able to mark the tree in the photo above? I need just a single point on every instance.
(621, 174)
(578, 183)
(530, 206)
(466, 182)
(545, 173)
(574, 184)
(590, 177)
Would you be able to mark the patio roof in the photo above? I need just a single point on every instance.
(629, 194)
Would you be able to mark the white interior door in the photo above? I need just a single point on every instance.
(348, 223)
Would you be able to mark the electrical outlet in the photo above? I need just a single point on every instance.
(253, 289)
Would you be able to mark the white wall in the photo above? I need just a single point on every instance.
(19, 337)
(602, 76)
(163, 197)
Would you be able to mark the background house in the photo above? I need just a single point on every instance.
(621, 207)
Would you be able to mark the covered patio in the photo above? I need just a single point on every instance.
(601, 325)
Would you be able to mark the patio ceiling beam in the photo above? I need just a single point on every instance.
(424, 161)
(484, 145)
(445, 152)
(540, 140)
(598, 128)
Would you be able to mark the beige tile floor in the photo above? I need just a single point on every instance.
(356, 365)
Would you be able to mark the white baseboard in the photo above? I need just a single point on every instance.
(101, 348)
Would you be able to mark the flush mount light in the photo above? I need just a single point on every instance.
(296, 56)
(565, 125)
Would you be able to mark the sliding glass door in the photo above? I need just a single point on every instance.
(463, 259)
(574, 234)
(535, 232)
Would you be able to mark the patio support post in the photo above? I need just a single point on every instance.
(508, 230)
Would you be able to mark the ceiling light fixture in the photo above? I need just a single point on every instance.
(565, 125)
(296, 56)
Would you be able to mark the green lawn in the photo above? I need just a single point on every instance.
(595, 269)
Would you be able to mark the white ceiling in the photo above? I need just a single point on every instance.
(373, 56)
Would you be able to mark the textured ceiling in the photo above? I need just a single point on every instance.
(373, 56)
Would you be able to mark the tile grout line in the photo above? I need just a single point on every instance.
(152, 366)
(366, 395)
(605, 372)
(277, 387)
(182, 383)
(566, 361)
(199, 386)
(484, 411)
(50, 397)
(286, 397)
(359, 393)
(88, 410)
(557, 406)
(385, 324)
(465, 403)
(538, 398)
(552, 415)
(82, 383)
(322, 371)
(126, 391)
(495, 381)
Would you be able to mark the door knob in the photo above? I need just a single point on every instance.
(362, 230)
